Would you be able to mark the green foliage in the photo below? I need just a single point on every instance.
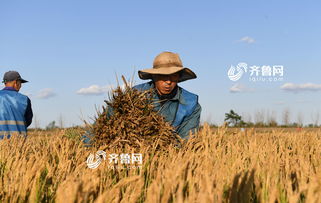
(51, 125)
(233, 119)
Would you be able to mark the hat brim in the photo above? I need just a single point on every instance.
(23, 81)
(186, 73)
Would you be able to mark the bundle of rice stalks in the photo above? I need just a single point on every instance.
(129, 120)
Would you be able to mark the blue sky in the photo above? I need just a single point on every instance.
(64, 46)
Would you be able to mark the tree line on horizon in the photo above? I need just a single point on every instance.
(233, 119)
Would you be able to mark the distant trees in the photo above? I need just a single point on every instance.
(267, 118)
(51, 125)
(234, 119)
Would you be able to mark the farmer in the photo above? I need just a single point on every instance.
(177, 105)
(15, 108)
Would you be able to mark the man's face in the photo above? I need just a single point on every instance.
(165, 84)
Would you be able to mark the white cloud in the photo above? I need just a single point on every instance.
(237, 88)
(46, 93)
(94, 90)
(247, 39)
(290, 87)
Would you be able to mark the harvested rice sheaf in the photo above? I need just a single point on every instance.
(129, 120)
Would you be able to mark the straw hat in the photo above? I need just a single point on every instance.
(167, 63)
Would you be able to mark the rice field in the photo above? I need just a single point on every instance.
(214, 165)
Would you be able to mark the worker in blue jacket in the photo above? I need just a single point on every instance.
(15, 108)
(177, 105)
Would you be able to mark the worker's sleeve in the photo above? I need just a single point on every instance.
(190, 123)
(28, 114)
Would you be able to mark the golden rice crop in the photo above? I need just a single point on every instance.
(214, 165)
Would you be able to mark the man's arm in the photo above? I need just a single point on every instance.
(28, 114)
(190, 123)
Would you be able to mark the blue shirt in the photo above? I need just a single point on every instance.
(29, 114)
(168, 109)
